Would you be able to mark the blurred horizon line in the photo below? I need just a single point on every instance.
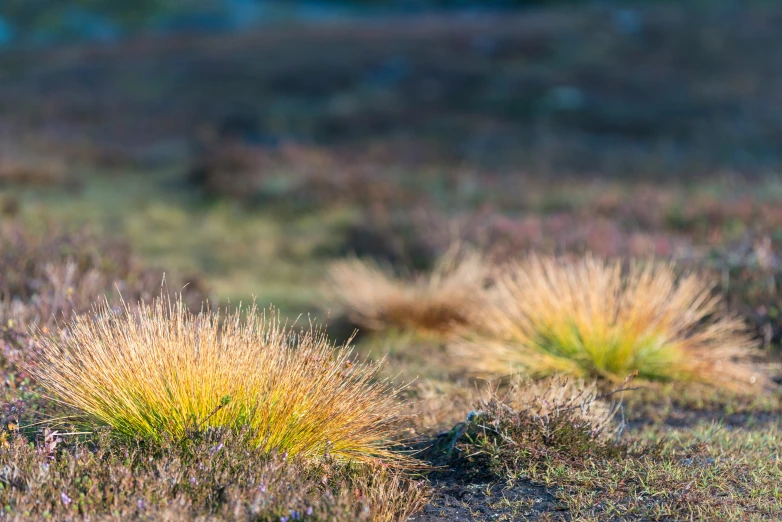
(52, 23)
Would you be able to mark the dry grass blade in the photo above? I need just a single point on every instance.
(559, 397)
(593, 318)
(439, 303)
(166, 371)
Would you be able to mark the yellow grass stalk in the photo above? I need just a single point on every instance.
(592, 318)
(165, 371)
(438, 303)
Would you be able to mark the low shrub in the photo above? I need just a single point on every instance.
(50, 273)
(551, 421)
(212, 475)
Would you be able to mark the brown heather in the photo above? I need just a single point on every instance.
(213, 475)
(580, 402)
(439, 303)
(165, 371)
(554, 420)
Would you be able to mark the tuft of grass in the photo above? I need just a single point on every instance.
(166, 372)
(439, 303)
(596, 318)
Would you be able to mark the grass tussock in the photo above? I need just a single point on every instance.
(594, 318)
(165, 371)
(439, 303)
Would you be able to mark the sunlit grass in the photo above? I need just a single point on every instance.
(594, 318)
(164, 371)
(436, 303)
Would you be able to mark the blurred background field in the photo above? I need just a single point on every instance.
(246, 148)
(242, 146)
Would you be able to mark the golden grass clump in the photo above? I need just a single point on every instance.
(594, 318)
(165, 371)
(439, 303)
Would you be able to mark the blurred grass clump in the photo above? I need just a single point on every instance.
(593, 318)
